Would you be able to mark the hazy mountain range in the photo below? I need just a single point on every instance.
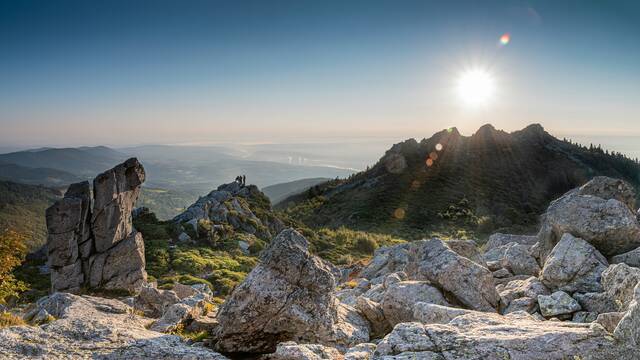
(177, 175)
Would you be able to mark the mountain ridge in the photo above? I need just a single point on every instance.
(487, 181)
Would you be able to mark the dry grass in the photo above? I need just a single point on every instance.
(8, 319)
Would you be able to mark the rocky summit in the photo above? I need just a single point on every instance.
(570, 292)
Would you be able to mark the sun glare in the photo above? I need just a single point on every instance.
(475, 87)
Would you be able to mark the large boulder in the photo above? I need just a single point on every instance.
(85, 327)
(469, 283)
(596, 216)
(481, 335)
(400, 298)
(287, 297)
(573, 265)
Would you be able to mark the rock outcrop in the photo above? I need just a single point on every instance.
(97, 246)
(85, 327)
(288, 296)
(228, 206)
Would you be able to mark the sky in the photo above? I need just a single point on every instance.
(141, 72)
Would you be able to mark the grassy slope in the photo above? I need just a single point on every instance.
(279, 192)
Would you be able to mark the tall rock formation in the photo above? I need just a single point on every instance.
(98, 247)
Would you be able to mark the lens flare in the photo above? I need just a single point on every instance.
(505, 38)
(439, 147)
(399, 213)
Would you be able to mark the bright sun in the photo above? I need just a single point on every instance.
(475, 87)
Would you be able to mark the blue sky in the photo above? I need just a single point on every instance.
(128, 72)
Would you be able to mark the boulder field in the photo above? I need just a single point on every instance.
(570, 292)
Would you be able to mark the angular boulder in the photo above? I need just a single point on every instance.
(469, 283)
(387, 260)
(631, 258)
(628, 329)
(596, 217)
(610, 321)
(400, 298)
(514, 257)
(287, 297)
(619, 281)
(597, 303)
(373, 312)
(558, 303)
(574, 265)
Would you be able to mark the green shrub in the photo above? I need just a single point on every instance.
(12, 252)
(366, 245)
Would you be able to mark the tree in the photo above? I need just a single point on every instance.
(12, 252)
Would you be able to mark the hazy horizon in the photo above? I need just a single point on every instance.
(122, 73)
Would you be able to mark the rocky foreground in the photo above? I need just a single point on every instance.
(571, 292)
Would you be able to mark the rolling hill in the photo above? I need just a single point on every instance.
(36, 176)
(488, 181)
(22, 209)
(85, 162)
